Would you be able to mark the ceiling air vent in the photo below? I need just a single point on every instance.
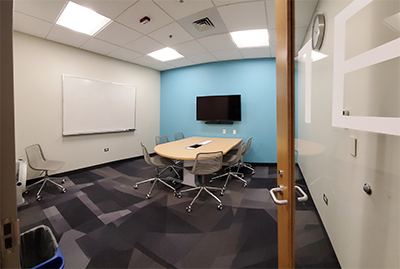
(203, 24)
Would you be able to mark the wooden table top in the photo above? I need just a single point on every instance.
(178, 149)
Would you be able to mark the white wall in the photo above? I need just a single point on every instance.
(39, 66)
(364, 229)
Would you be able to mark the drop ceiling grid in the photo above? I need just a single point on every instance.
(126, 39)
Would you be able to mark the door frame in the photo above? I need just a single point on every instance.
(285, 101)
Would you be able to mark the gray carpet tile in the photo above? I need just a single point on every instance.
(103, 222)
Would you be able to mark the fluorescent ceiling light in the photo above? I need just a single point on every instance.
(251, 38)
(166, 54)
(82, 19)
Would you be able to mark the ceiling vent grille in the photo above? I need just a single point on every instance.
(203, 24)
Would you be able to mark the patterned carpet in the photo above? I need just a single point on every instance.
(103, 222)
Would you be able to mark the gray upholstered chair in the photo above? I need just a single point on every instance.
(161, 139)
(204, 164)
(179, 136)
(241, 164)
(231, 161)
(38, 162)
(158, 162)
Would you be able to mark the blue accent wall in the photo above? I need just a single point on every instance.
(254, 79)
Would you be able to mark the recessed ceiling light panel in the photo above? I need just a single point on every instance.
(82, 19)
(166, 54)
(251, 38)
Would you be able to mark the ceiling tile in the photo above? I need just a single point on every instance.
(171, 34)
(66, 36)
(161, 66)
(225, 55)
(270, 7)
(99, 46)
(179, 10)
(228, 2)
(189, 48)
(251, 53)
(109, 9)
(145, 61)
(252, 16)
(124, 54)
(144, 45)
(31, 25)
(131, 17)
(202, 58)
(217, 42)
(118, 34)
(181, 62)
(41, 9)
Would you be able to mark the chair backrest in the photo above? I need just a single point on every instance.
(207, 163)
(146, 155)
(238, 155)
(248, 144)
(179, 136)
(161, 139)
(35, 157)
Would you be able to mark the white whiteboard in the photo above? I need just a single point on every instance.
(93, 106)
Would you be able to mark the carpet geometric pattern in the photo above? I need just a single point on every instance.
(103, 222)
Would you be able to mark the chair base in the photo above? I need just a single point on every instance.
(228, 175)
(246, 165)
(44, 181)
(170, 167)
(154, 180)
(206, 189)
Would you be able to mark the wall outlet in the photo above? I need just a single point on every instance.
(224, 131)
(106, 149)
(234, 132)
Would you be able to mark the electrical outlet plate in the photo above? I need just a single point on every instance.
(234, 132)
(353, 146)
(224, 131)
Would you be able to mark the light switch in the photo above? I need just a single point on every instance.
(234, 132)
(353, 146)
(224, 131)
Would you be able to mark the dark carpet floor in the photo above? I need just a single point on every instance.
(103, 222)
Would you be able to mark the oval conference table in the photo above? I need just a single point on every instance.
(187, 149)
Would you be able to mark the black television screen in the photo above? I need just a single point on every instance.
(219, 108)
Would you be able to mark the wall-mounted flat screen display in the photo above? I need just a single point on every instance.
(219, 108)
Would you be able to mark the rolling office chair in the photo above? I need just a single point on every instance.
(178, 136)
(241, 164)
(204, 164)
(157, 162)
(161, 139)
(38, 162)
(231, 160)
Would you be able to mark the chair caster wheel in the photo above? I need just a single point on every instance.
(26, 192)
(63, 181)
(39, 198)
(220, 207)
(178, 195)
(211, 181)
(63, 190)
(148, 196)
(222, 193)
(244, 185)
(135, 186)
(253, 173)
(189, 209)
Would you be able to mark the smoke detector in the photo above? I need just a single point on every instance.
(145, 20)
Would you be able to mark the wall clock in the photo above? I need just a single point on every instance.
(318, 31)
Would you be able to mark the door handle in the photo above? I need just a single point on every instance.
(276, 201)
(303, 197)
